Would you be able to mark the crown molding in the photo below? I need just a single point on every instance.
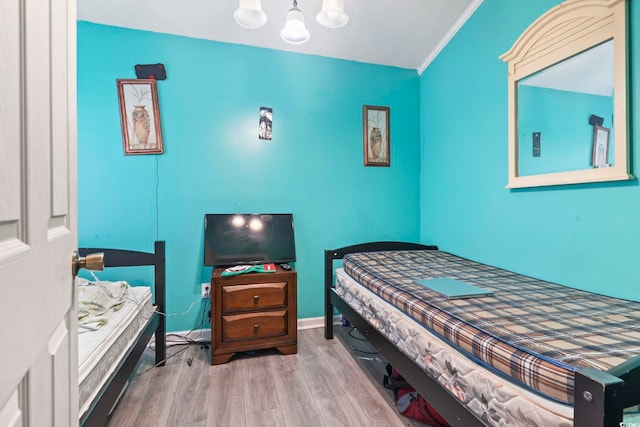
(449, 35)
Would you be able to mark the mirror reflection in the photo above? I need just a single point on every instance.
(564, 113)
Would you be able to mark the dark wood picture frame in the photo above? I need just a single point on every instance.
(376, 135)
(140, 116)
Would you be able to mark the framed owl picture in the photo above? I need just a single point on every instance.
(375, 129)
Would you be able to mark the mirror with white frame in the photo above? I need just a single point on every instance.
(568, 97)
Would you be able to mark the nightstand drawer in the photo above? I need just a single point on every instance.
(259, 296)
(254, 325)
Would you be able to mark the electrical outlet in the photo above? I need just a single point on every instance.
(206, 290)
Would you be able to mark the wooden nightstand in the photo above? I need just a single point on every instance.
(253, 311)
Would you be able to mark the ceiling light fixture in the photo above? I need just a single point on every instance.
(295, 31)
(332, 14)
(250, 15)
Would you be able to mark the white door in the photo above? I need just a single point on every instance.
(38, 355)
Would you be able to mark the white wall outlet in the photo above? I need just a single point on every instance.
(206, 290)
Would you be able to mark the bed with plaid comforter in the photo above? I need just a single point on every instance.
(534, 332)
(568, 346)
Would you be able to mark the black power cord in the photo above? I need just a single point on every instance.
(350, 333)
(185, 340)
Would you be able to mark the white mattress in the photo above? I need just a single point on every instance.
(100, 351)
(495, 400)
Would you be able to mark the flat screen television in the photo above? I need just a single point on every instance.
(237, 239)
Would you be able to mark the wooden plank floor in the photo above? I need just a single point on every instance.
(328, 383)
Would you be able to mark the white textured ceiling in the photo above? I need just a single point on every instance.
(401, 33)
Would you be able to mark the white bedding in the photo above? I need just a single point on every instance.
(98, 301)
(100, 350)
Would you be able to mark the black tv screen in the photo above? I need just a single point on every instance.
(236, 239)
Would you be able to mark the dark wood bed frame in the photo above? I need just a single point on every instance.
(98, 412)
(600, 397)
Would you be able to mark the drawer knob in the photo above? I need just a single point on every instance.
(256, 298)
(255, 328)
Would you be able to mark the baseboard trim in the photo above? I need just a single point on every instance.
(315, 322)
(198, 335)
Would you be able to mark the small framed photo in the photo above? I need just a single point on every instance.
(140, 116)
(376, 135)
(265, 124)
(600, 147)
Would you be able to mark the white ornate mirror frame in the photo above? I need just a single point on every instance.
(564, 31)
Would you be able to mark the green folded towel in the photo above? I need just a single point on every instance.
(242, 269)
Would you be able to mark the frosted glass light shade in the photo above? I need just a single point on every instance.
(295, 31)
(332, 14)
(250, 15)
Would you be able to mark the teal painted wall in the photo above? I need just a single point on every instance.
(562, 118)
(585, 236)
(214, 162)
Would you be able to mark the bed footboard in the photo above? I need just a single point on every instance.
(337, 254)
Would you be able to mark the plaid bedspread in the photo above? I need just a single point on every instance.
(534, 332)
